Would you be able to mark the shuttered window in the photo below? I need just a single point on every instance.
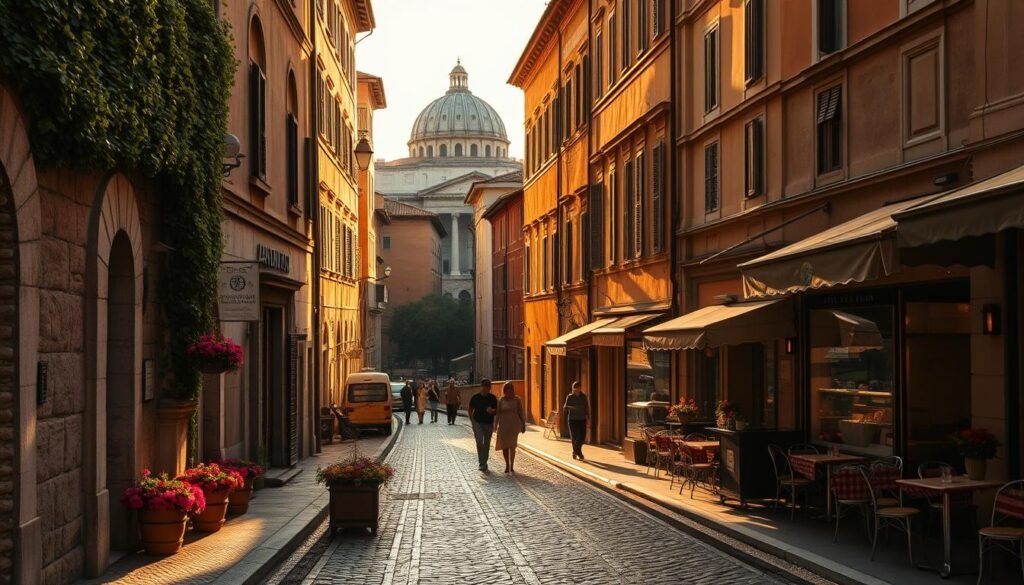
(643, 24)
(658, 16)
(599, 63)
(613, 218)
(292, 163)
(258, 121)
(829, 130)
(577, 110)
(526, 270)
(711, 177)
(753, 160)
(711, 70)
(567, 266)
(585, 252)
(640, 170)
(753, 28)
(596, 210)
(629, 184)
(613, 53)
(627, 24)
(658, 198)
(587, 92)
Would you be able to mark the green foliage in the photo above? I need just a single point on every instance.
(142, 87)
(436, 328)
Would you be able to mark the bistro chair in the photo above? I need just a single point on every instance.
(888, 517)
(785, 480)
(663, 452)
(652, 446)
(695, 466)
(1006, 531)
(884, 473)
(849, 491)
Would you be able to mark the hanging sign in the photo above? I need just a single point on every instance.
(238, 291)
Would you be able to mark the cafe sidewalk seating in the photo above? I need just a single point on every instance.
(899, 516)
(1007, 528)
(786, 481)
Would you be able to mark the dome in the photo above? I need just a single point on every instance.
(458, 114)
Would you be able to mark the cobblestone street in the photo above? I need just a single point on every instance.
(442, 521)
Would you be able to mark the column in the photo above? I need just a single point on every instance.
(455, 245)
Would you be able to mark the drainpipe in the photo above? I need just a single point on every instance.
(314, 215)
(675, 199)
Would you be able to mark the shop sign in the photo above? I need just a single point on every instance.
(238, 291)
(272, 258)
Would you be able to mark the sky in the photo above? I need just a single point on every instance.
(415, 46)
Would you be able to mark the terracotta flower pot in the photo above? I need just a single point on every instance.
(238, 501)
(976, 468)
(212, 518)
(162, 531)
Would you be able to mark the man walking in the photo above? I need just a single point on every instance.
(407, 400)
(482, 407)
(452, 401)
(578, 408)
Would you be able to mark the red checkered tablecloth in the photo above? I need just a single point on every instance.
(803, 466)
(849, 485)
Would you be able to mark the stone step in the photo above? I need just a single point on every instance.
(280, 476)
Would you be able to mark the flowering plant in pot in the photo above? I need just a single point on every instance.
(163, 504)
(238, 500)
(684, 410)
(217, 484)
(215, 354)
(355, 491)
(977, 446)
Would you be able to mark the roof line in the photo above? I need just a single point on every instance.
(538, 41)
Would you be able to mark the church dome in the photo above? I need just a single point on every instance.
(460, 121)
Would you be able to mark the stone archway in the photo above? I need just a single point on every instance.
(21, 227)
(113, 367)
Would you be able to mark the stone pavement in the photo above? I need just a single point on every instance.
(443, 522)
(248, 546)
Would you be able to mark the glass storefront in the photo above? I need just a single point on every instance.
(648, 390)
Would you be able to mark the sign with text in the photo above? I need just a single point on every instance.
(238, 291)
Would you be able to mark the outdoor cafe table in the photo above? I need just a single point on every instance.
(807, 464)
(935, 485)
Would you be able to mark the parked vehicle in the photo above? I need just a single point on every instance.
(367, 401)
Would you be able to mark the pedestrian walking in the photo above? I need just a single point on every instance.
(452, 401)
(421, 400)
(509, 423)
(578, 408)
(433, 398)
(407, 399)
(482, 407)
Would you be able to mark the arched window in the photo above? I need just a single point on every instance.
(257, 100)
(421, 152)
(443, 150)
(291, 133)
(458, 150)
(487, 151)
(473, 150)
(430, 151)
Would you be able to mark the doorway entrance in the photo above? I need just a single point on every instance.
(272, 361)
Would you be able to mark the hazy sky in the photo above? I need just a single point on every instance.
(415, 46)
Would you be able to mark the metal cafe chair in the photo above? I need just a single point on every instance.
(785, 480)
(849, 491)
(884, 472)
(663, 452)
(1008, 508)
(889, 516)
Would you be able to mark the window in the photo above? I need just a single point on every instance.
(658, 198)
(596, 213)
(711, 69)
(830, 30)
(487, 150)
(292, 162)
(612, 49)
(599, 64)
(386, 242)
(443, 150)
(474, 150)
(830, 130)
(585, 91)
(638, 204)
(627, 24)
(613, 222)
(430, 152)
(258, 121)
(711, 177)
(526, 269)
(753, 29)
(458, 150)
(577, 112)
(628, 211)
(658, 16)
(544, 265)
(648, 378)
(753, 160)
(567, 273)
(642, 26)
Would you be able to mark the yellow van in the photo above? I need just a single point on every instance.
(367, 400)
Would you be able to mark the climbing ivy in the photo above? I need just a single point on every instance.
(141, 87)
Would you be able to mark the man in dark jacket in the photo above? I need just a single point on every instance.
(407, 400)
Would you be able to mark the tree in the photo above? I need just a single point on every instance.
(436, 328)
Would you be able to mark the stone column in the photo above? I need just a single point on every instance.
(455, 245)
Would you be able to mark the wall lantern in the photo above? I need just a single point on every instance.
(233, 153)
(790, 345)
(364, 152)
(990, 319)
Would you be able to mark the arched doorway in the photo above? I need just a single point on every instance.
(121, 399)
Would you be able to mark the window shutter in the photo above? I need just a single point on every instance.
(587, 90)
(292, 431)
(292, 135)
(567, 272)
(256, 137)
(338, 244)
(643, 29)
(659, 17)
(599, 64)
(658, 199)
(711, 177)
(262, 122)
(629, 183)
(613, 218)
(753, 16)
(596, 210)
(626, 25)
(638, 205)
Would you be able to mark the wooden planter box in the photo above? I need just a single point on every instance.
(354, 506)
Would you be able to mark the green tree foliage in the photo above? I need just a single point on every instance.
(436, 328)
(142, 87)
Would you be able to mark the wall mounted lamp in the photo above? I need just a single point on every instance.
(990, 319)
(790, 345)
(232, 153)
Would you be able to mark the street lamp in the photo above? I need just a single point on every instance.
(364, 152)
(387, 274)
(232, 151)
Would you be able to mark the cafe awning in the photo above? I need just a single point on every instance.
(720, 325)
(614, 334)
(576, 337)
(956, 227)
(857, 250)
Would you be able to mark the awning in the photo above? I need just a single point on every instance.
(858, 250)
(839, 329)
(955, 227)
(560, 344)
(724, 325)
(614, 334)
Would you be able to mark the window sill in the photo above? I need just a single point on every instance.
(294, 210)
(261, 185)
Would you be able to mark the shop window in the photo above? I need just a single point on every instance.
(648, 395)
(852, 378)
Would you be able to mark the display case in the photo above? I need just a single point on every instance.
(857, 420)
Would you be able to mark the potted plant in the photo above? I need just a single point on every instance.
(977, 446)
(724, 413)
(684, 410)
(215, 354)
(354, 491)
(163, 505)
(238, 500)
(217, 484)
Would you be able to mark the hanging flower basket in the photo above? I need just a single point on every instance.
(163, 505)
(215, 354)
(217, 484)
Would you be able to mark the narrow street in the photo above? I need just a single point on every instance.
(442, 521)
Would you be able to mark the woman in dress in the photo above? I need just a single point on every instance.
(508, 424)
(421, 400)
